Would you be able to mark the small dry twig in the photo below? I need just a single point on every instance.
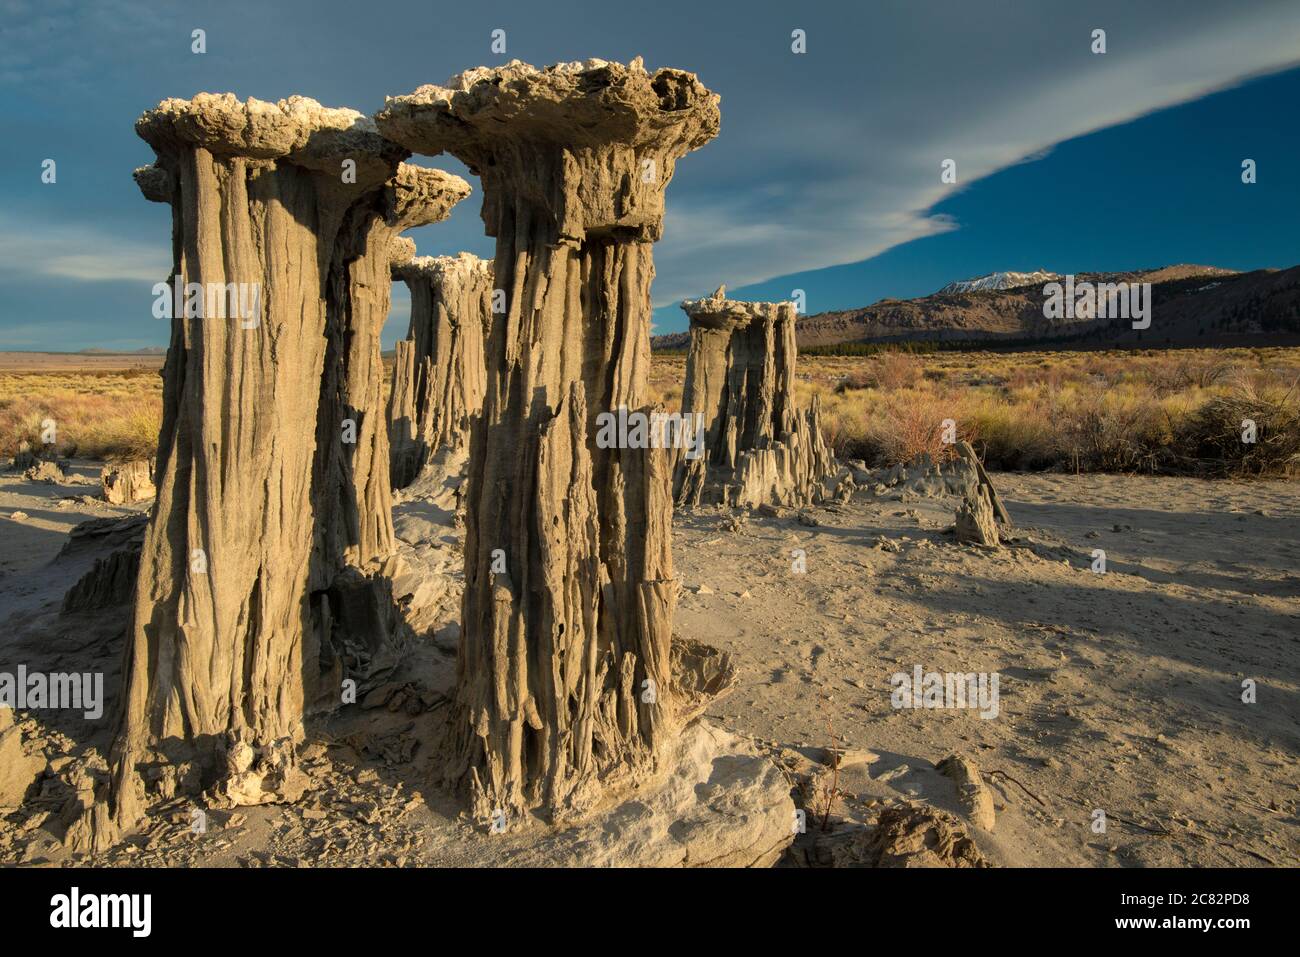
(835, 776)
(1017, 784)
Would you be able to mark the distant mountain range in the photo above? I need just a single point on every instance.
(1189, 305)
(146, 351)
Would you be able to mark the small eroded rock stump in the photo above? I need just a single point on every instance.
(128, 482)
(975, 522)
(912, 835)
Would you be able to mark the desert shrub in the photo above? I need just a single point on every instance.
(1104, 367)
(890, 371)
(909, 422)
(1169, 375)
(1116, 430)
(1012, 434)
(1211, 438)
(854, 381)
(844, 415)
(897, 370)
(103, 426)
(1052, 377)
(669, 396)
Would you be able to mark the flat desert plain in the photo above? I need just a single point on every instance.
(1120, 738)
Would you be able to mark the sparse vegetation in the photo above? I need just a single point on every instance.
(103, 415)
(1163, 411)
(1212, 435)
(1174, 412)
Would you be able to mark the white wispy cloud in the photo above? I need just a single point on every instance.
(827, 158)
(78, 252)
(853, 181)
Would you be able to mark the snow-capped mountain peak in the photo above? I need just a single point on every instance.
(1000, 280)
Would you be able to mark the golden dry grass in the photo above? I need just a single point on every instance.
(1171, 411)
(103, 415)
(1153, 410)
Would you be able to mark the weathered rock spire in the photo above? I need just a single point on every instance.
(438, 375)
(279, 213)
(981, 511)
(758, 447)
(564, 668)
(358, 509)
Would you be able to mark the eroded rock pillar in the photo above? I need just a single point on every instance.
(357, 628)
(439, 375)
(353, 475)
(276, 213)
(758, 447)
(564, 666)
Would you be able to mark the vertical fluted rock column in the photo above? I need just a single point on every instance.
(439, 376)
(274, 217)
(357, 627)
(564, 667)
(352, 476)
(759, 448)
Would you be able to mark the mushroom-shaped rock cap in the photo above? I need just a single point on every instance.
(444, 269)
(419, 196)
(718, 312)
(298, 129)
(590, 103)
(592, 145)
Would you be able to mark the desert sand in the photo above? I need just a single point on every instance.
(1119, 691)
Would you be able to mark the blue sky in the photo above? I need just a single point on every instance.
(825, 176)
(1163, 189)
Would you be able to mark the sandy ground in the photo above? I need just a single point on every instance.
(1119, 692)
(51, 511)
